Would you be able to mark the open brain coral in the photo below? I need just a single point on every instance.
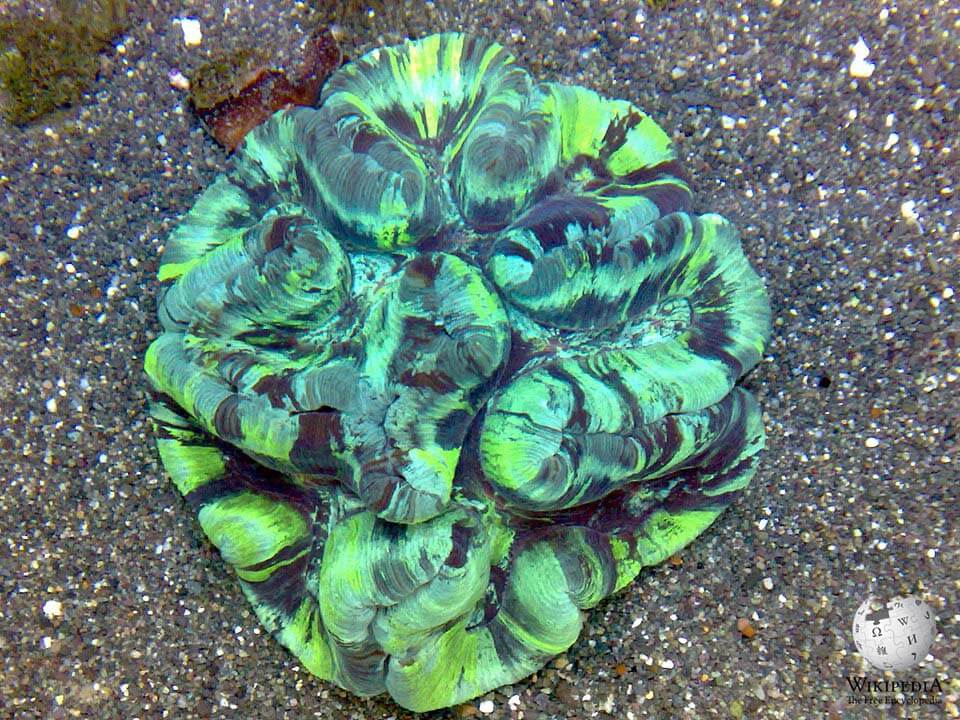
(445, 361)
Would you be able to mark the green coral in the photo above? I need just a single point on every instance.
(48, 62)
(447, 360)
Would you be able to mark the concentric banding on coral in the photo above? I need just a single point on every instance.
(572, 429)
(446, 361)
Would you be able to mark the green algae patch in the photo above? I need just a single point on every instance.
(47, 62)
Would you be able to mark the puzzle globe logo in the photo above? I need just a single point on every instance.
(894, 636)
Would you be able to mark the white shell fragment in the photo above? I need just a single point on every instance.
(859, 67)
(191, 31)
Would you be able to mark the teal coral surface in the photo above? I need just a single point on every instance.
(447, 360)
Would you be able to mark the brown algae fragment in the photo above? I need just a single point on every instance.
(235, 92)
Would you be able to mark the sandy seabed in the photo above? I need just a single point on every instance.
(114, 604)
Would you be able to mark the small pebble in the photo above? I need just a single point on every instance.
(908, 211)
(53, 609)
(736, 709)
(745, 628)
(486, 707)
(871, 442)
(178, 80)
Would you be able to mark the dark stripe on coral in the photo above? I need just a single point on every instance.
(549, 219)
(283, 555)
(309, 197)
(436, 381)
(277, 389)
(667, 439)
(616, 134)
(318, 433)
(226, 420)
(491, 216)
(510, 650)
(666, 170)
(579, 419)
(706, 338)
(460, 539)
(285, 589)
(719, 479)
(452, 428)
(281, 230)
(398, 118)
(363, 140)
(668, 197)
